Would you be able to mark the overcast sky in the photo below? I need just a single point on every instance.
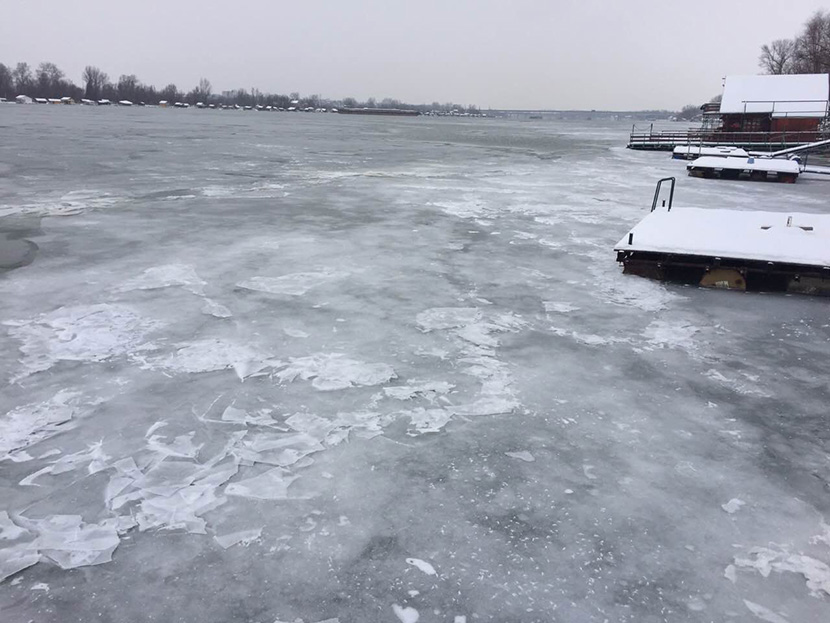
(602, 54)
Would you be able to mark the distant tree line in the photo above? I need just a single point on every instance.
(48, 81)
(807, 53)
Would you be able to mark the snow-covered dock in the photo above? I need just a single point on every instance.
(743, 250)
(691, 152)
(751, 168)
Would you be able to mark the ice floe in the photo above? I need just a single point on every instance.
(166, 276)
(81, 333)
(333, 371)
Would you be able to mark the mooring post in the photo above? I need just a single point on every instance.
(631, 238)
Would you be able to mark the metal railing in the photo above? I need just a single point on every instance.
(698, 137)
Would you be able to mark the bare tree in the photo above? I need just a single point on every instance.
(778, 57)
(689, 112)
(127, 87)
(812, 47)
(94, 81)
(6, 82)
(808, 53)
(22, 75)
(204, 89)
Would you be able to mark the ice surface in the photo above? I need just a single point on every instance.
(436, 301)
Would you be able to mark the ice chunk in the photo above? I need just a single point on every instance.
(421, 565)
(406, 615)
(559, 308)
(180, 510)
(765, 560)
(212, 308)
(733, 505)
(270, 485)
(211, 355)
(428, 390)
(165, 276)
(278, 449)
(25, 426)
(89, 333)
(428, 420)
(524, 455)
(295, 284)
(765, 614)
(15, 559)
(332, 371)
(94, 456)
(8, 530)
(295, 333)
(447, 317)
(182, 446)
(71, 543)
(243, 537)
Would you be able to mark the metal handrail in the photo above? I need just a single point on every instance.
(657, 193)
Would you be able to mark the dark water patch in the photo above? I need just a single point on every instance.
(15, 253)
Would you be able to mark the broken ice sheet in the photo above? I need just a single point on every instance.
(212, 355)
(270, 485)
(333, 371)
(243, 537)
(16, 558)
(277, 449)
(180, 511)
(165, 276)
(88, 333)
(427, 420)
(27, 425)
(71, 543)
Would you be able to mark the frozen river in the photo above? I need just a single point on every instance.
(262, 368)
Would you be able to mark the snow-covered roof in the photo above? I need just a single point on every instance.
(804, 95)
(752, 235)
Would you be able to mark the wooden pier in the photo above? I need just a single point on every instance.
(667, 140)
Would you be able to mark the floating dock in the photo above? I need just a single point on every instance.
(692, 152)
(732, 249)
(733, 168)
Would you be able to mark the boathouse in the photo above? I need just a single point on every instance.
(786, 103)
(762, 113)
